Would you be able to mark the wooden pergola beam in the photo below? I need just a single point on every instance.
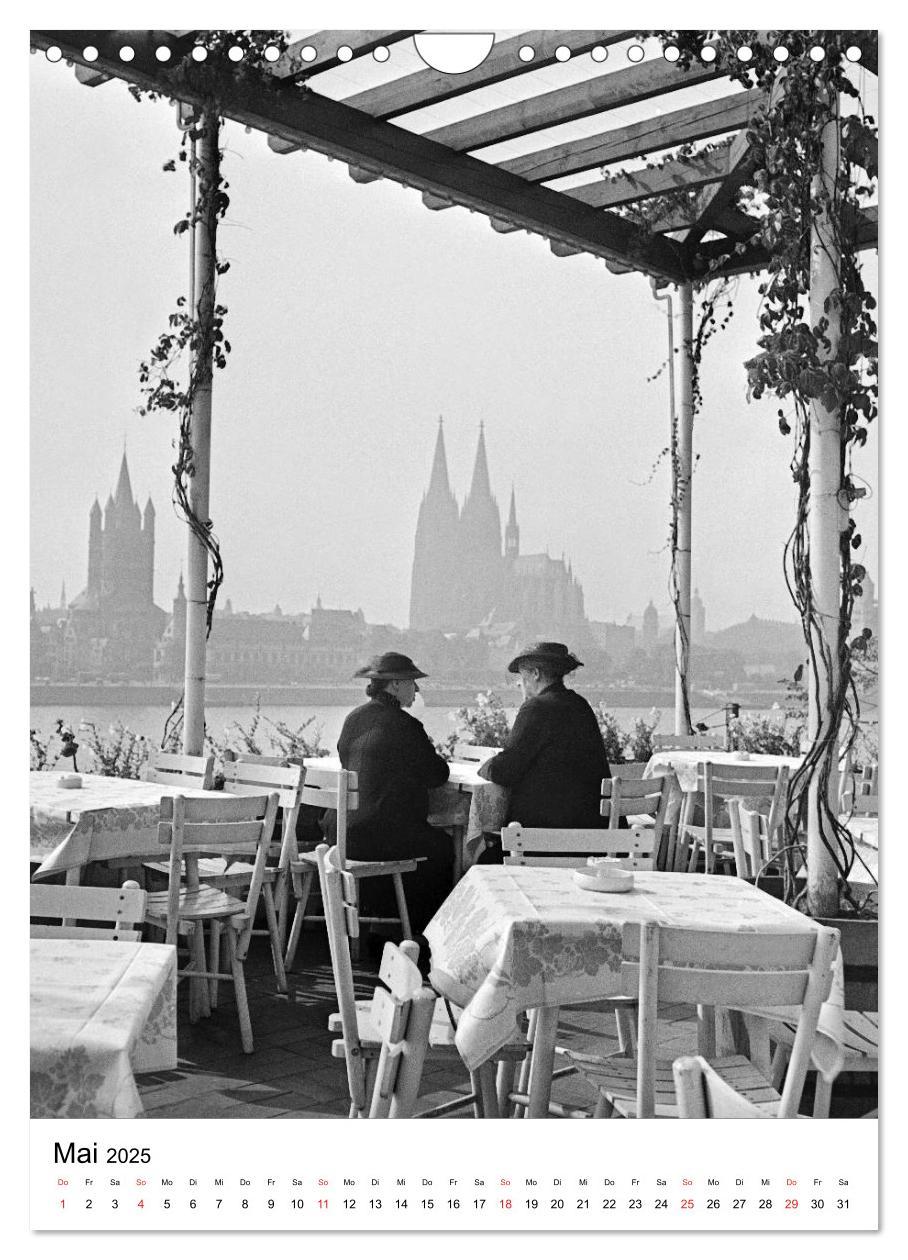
(326, 44)
(683, 172)
(755, 257)
(682, 126)
(428, 87)
(312, 121)
(580, 100)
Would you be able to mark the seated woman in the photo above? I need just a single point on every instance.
(397, 765)
(554, 760)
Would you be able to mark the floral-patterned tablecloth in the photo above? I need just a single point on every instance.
(511, 938)
(104, 818)
(685, 761)
(100, 1011)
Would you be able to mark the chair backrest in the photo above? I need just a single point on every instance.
(119, 909)
(555, 846)
(721, 783)
(325, 788)
(727, 969)
(623, 795)
(338, 890)
(751, 839)
(402, 1016)
(474, 752)
(251, 777)
(703, 1095)
(180, 770)
(193, 826)
(630, 769)
(666, 743)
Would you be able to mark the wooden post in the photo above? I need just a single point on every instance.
(682, 488)
(826, 518)
(200, 429)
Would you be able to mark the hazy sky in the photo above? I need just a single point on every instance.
(357, 317)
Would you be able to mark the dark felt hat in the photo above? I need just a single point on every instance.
(389, 666)
(554, 656)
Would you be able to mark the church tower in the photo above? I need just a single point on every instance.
(512, 532)
(650, 626)
(433, 594)
(480, 544)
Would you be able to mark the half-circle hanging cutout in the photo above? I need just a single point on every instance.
(454, 52)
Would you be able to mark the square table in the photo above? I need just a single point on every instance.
(105, 819)
(100, 1011)
(511, 939)
(684, 763)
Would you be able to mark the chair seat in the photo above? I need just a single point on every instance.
(216, 873)
(360, 870)
(203, 903)
(441, 1034)
(616, 1079)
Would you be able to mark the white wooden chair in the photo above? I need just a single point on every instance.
(180, 770)
(253, 776)
(552, 846)
(702, 1094)
(194, 828)
(337, 789)
(402, 1016)
(118, 909)
(751, 833)
(679, 743)
(361, 1038)
(725, 969)
(644, 803)
(717, 784)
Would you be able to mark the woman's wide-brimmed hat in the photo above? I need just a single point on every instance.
(553, 656)
(389, 666)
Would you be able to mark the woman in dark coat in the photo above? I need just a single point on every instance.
(397, 765)
(554, 760)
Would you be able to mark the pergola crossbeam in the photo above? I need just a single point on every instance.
(428, 87)
(580, 100)
(309, 120)
(672, 175)
(682, 126)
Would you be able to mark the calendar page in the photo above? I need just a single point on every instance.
(454, 628)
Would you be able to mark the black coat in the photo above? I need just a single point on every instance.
(397, 765)
(554, 762)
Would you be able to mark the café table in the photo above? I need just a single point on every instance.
(684, 763)
(106, 819)
(467, 804)
(512, 939)
(100, 1012)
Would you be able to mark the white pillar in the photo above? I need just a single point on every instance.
(682, 488)
(826, 518)
(200, 436)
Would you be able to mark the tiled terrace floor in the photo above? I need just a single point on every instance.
(291, 1074)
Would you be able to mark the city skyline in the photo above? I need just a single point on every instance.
(357, 317)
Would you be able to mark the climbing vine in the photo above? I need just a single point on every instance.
(830, 363)
(180, 363)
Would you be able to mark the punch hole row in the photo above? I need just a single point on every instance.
(526, 53)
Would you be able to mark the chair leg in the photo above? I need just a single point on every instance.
(214, 948)
(822, 1098)
(402, 907)
(277, 954)
(627, 1033)
(298, 917)
(542, 1062)
(489, 1094)
(523, 1079)
(603, 1109)
(199, 984)
(282, 902)
(476, 1088)
(239, 986)
(778, 1066)
(507, 1070)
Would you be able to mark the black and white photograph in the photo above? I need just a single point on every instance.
(454, 609)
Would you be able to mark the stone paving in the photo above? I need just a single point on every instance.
(291, 1074)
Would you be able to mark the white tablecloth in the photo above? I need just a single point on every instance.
(512, 938)
(105, 818)
(684, 762)
(100, 1011)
